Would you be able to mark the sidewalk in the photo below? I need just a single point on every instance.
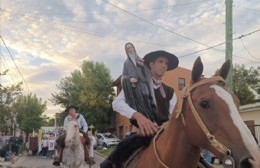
(4, 164)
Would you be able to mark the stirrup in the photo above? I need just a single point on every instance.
(106, 164)
(91, 161)
(56, 161)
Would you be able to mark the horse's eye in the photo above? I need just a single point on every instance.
(204, 104)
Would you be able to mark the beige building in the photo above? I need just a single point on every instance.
(250, 113)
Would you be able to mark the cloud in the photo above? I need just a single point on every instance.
(50, 39)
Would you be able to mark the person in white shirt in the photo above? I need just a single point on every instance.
(51, 146)
(158, 62)
(83, 127)
(93, 142)
(44, 146)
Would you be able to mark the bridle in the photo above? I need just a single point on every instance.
(186, 96)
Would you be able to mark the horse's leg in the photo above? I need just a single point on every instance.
(86, 145)
(86, 153)
(60, 145)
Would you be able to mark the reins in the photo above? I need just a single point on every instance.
(154, 147)
(186, 96)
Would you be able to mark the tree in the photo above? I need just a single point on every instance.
(8, 95)
(91, 90)
(246, 83)
(29, 110)
(47, 121)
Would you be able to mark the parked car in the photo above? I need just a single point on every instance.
(4, 140)
(107, 139)
(95, 142)
(4, 145)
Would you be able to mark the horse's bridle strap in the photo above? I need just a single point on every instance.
(187, 95)
(213, 141)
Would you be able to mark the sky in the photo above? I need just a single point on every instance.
(43, 41)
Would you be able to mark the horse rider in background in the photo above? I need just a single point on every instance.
(83, 128)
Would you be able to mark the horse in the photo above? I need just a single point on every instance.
(206, 118)
(73, 153)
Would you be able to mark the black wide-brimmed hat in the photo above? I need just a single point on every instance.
(71, 106)
(173, 60)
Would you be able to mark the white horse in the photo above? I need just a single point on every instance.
(73, 153)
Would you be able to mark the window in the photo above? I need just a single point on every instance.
(181, 83)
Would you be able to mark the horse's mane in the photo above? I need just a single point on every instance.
(130, 145)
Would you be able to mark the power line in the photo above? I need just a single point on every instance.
(7, 68)
(105, 12)
(14, 62)
(156, 31)
(195, 52)
(248, 50)
(168, 30)
(255, 10)
(239, 37)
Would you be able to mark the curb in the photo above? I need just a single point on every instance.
(14, 159)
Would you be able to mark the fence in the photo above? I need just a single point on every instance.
(257, 133)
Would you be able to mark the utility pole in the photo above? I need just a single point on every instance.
(229, 43)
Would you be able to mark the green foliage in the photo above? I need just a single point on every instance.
(7, 97)
(47, 121)
(105, 151)
(246, 83)
(91, 90)
(29, 110)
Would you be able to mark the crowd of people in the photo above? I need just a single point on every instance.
(47, 146)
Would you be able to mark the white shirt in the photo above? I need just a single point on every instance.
(51, 144)
(81, 123)
(120, 105)
(44, 143)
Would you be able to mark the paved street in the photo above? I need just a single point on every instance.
(42, 162)
(217, 166)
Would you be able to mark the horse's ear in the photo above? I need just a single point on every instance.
(223, 71)
(197, 70)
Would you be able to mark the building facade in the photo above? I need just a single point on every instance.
(250, 114)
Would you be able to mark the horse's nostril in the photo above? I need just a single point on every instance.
(245, 163)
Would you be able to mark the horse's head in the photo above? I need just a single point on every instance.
(212, 120)
(72, 134)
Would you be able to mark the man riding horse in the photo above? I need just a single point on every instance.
(131, 102)
(83, 128)
(148, 122)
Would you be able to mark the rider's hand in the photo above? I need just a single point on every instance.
(81, 130)
(147, 127)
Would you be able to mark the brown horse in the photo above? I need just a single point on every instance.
(207, 118)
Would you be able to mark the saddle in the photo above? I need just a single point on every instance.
(129, 150)
(85, 140)
(133, 159)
